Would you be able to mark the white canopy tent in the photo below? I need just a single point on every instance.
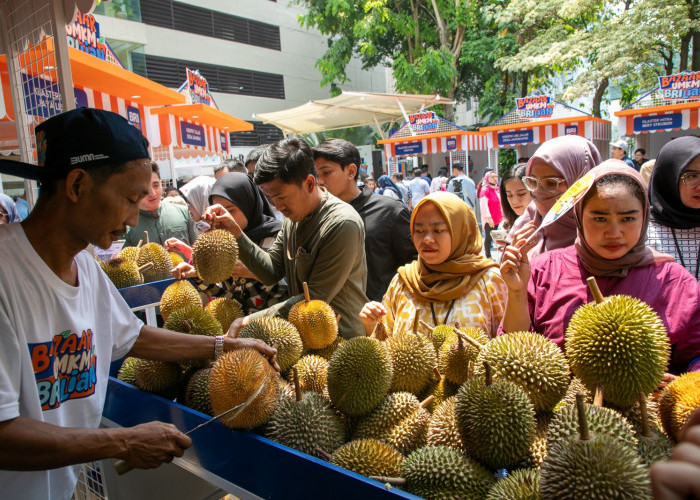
(350, 109)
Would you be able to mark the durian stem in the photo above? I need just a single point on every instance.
(598, 397)
(337, 318)
(415, 323)
(595, 291)
(145, 237)
(437, 373)
(307, 297)
(487, 374)
(457, 325)
(138, 247)
(297, 386)
(146, 267)
(379, 332)
(466, 337)
(323, 453)
(646, 429)
(186, 326)
(394, 481)
(427, 401)
(584, 435)
(425, 325)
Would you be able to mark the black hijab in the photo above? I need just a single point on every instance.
(238, 188)
(664, 195)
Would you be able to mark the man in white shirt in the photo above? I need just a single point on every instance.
(63, 321)
(419, 188)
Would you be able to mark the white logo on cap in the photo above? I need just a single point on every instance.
(87, 157)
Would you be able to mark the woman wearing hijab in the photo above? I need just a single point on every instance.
(388, 188)
(674, 192)
(237, 193)
(611, 223)
(555, 166)
(490, 205)
(8, 210)
(450, 281)
(196, 193)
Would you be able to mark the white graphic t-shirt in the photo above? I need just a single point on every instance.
(56, 344)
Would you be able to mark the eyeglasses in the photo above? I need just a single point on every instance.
(548, 184)
(691, 180)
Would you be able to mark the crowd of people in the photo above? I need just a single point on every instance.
(393, 251)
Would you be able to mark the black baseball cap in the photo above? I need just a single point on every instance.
(80, 138)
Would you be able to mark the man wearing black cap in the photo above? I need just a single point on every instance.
(61, 319)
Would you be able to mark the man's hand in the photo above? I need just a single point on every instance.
(236, 326)
(183, 270)
(370, 314)
(219, 218)
(269, 352)
(149, 445)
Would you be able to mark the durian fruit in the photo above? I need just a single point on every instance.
(459, 352)
(315, 321)
(496, 420)
(438, 334)
(313, 372)
(234, 377)
(530, 360)
(159, 377)
(129, 253)
(162, 263)
(307, 423)
(176, 258)
(326, 352)
(193, 320)
(437, 472)
(123, 273)
(400, 421)
(368, 457)
(179, 294)
(440, 388)
(197, 392)
(225, 310)
(287, 391)
(569, 399)
(601, 422)
(126, 371)
(678, 401)
(442, 427)
(523, 484)
(621, 344)
(214, 255)
(591, 465)
(359, 376)
(278, 333)
(414, 360)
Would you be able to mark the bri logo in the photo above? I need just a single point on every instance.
(88, 157)
(64, 368)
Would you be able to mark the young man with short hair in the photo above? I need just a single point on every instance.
(388, 243)
(321, 241)
(252, 159)
(618, 150)
(63, 321)
(462, 185)
(419, 187)
(639, 159)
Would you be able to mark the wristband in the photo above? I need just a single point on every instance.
(218, 346)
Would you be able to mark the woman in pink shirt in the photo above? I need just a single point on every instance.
(490, 204)
(612, 221)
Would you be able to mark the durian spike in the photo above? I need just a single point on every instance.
(307, 297)
(394, 481)
(595, 291)
(437, 374)
(323, 453)
(427, 401)
(487, 374)
(598, 398)
(470, 370)
(145, 237)
(146, 267)
(584, 435)
(139, 244)
(297, 387)
(646, 428)
(379, 332)
(466, 337)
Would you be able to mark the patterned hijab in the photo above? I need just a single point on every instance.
(640, 255)
(465, 265)
(10, 208)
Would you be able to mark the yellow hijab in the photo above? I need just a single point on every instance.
(463, 268)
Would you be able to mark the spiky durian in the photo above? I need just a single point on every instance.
(315, 321)
(678, 400)
(159, 257)
(414, 360)
(523, 484)
(313, 372)
(278, 333)
(368, 457)
(214, 255)
(179, 294)
(225, 310)
(442, 427)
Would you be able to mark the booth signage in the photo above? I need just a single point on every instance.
(84, 35)
(510, 138)
(43, 97)
(658, 122)
(539, 106)
(223, 141)
(134, 117)
(571, 130)
(409, 148)
(192, 135)
(198, 87)
(425, 121)
(684, 85)
(451, 144)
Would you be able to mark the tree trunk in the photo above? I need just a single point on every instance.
(685, 48)
(696, 51)
(523, 87)
(598, 97)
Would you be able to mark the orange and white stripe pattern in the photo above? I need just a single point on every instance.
(470, 141)
(590, 129)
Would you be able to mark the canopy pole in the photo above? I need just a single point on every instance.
(405, 116)
(379, 129)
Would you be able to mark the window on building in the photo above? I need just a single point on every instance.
(262, 133)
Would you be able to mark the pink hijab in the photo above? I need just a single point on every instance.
(572, 156)
(640, 255)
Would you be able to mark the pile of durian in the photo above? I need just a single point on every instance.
(446, 412)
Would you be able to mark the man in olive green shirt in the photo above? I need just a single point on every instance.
(322, 241)
(162, 221)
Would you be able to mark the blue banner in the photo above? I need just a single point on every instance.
(510, 138)
(451, 144)
(43, 97)
(571, 130)
(192, 135)
(134, 117)
(409, 148)
(658, 122)
(223, 141)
